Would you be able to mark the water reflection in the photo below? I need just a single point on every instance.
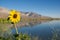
(31, 24)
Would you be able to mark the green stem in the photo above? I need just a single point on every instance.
(16, 28)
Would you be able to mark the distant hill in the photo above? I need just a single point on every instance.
(4, 14)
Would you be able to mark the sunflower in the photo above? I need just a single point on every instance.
(14, 16)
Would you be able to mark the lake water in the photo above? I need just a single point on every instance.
(44, 31)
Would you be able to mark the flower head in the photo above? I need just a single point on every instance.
(14, 16)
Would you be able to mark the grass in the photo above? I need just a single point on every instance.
(5, 32)
(4, 21)
(16, 37)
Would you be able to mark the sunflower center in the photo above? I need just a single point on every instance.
(15, 16)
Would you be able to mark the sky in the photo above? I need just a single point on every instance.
(49, 8)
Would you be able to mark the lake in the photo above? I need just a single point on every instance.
(43, 31)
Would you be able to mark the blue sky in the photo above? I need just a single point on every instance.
(44, 7)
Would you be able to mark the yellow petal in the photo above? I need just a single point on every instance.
(12, 12)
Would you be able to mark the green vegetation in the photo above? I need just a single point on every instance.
(56, 18)
(16, 37)
(5, 32)
(4, 21)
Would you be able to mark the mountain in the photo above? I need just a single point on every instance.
(5, 12)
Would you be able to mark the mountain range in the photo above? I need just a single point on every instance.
(4, 12)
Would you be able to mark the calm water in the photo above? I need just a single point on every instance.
(45, 31)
